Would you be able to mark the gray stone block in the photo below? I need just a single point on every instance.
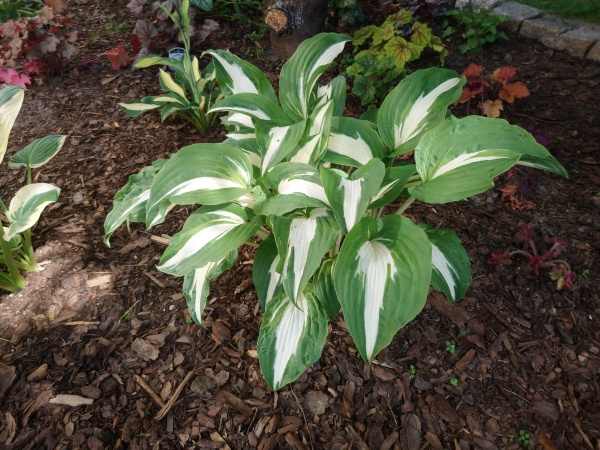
(594, 53)
(517, 13)
(578, 41)
(478, 4)
(546, 30)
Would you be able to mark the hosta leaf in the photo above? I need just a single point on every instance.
(135, 108)
(291, 338)
(236, 76)
(277, 142)
(254, 105)
(325, 289)
(299, 74)
(451, 267)
(296, 186)
(353, 142)
(196, 284)
(267, 280)
(416, 105)
(15, 242)
(393, 184)
(27, 205)
(302, 240)
(39, 152)
(155, 60)
(461, 157)
(382, 277)
(169, 84)
(130, 202)
(350, 196)
(208, 174)
(208, 235)
(313, 146)
(335, 90)
(11, 99)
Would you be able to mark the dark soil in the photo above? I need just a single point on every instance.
(104, 325)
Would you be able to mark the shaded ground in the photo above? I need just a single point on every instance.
(103, 324)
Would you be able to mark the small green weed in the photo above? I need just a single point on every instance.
(111, 28)
(454, 382)
(464, 331)
(585, 273)
(413, 372)
(522, 437)
(450, 347)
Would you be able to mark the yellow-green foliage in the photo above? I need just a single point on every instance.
(397, 38)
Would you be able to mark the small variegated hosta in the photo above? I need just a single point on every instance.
(312, 185)
(190, 93)
(25, 208)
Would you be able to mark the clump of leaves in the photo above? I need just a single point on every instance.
(190, 94)
(313, 185)
(380, 66)
(522, 437)
(400, 37)
(491, 90)
(161, 32)
(348, 11)
(374, 78)
(450, 347)
(15, 9)
(118, 57)
(247, 12)
(560, 271)
(28, 203)
(518, 183)
(476, 28)
(48, 38)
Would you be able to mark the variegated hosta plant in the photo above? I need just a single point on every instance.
(25, 208)
(190, 93)
(312, 185)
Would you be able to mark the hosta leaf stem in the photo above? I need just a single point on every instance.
(409, 201)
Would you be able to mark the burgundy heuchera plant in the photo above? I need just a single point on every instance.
(560, 270)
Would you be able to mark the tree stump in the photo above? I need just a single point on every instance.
(293, 21)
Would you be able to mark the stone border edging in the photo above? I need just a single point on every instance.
(580, 39)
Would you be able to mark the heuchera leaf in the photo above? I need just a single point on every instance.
(421, 34)
(145, 32)
(473, 71)
(503, 74)
(492, 108)
(511, 91)
(118, 57)
(58, 6)
(136, 6)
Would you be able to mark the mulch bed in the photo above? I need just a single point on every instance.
(102, 324)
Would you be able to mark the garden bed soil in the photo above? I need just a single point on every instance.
(104, 325)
